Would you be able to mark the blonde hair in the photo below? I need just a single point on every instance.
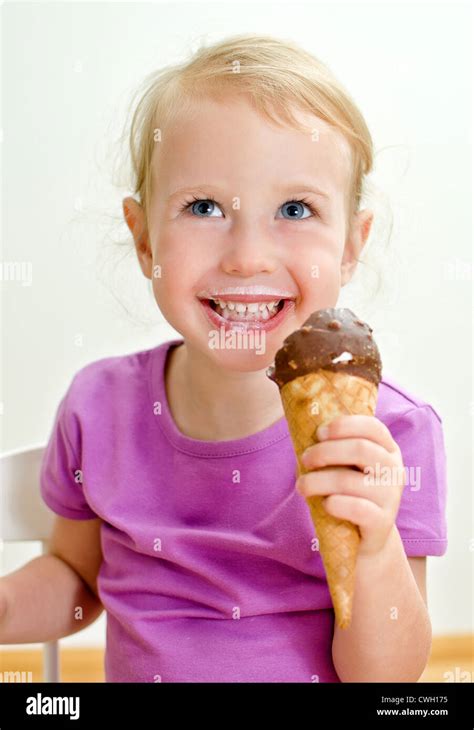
(274, 74)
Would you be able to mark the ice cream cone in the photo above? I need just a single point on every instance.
(329, 367)
(311, 401)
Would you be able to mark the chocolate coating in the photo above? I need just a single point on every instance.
(327, 335)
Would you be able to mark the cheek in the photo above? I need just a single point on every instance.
(316, 270)
(182, 251)
(180, 265)
(177, 255)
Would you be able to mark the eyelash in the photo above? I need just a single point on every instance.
(188, 203)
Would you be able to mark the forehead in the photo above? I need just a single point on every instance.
(230, 141)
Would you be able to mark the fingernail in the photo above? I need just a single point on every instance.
(322, 433)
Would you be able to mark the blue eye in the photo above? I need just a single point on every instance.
(294, 207)
(201, 207)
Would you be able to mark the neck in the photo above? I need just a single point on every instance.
(213, 404)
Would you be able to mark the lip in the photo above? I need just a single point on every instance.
(246, 294)
(266, 326)
(247, 298)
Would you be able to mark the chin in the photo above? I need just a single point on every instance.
(244, 354)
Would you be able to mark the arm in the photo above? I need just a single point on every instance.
(389, 639)
(54, 595)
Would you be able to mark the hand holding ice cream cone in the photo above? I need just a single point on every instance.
(328, 373)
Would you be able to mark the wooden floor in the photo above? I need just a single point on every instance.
(451, 660)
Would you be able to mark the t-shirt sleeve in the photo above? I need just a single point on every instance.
(421, 518)
(61, 479)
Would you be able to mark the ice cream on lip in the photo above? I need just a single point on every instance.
(330, 339)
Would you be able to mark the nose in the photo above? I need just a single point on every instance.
(250, 251)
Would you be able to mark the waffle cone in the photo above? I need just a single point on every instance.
(310, 401)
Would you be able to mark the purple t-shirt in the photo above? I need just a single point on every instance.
(210, 568)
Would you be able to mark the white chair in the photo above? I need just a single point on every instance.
(24, 517)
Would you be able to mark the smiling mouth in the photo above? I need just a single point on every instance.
(246, 311)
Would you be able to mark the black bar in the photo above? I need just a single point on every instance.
(314, 705)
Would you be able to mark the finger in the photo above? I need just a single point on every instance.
(358, 451)
(346, 482)
(362, 512)
(353, 425)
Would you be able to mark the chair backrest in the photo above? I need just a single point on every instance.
(24, 517)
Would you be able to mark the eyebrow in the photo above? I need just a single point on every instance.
(193, 189)
(302, 185)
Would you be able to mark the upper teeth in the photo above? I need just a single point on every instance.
(243, 307)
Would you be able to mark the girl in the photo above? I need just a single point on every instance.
(171, 470)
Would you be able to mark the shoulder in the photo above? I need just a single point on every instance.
(396, 403)
(416, 426)
(110, 382)
(107, 373)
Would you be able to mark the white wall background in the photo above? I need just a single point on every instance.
(68, 71)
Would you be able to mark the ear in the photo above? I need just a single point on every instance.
(355, 242)
(135, 219)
